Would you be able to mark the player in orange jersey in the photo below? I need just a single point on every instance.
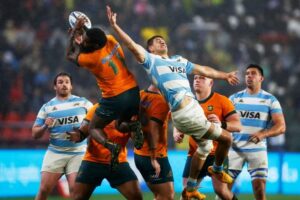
(102, 55)
(218, 109)
(96, 165)
(152, 159)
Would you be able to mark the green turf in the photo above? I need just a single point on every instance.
(148, 196)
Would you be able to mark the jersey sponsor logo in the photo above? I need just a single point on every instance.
(250, 114)
(111, 54)
(241, 101)
(177, 69)
(67, 120)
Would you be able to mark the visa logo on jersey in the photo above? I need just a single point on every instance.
(67, 120)
(250, 114)
(177, 69)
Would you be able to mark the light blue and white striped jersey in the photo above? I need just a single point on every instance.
(169, 75)
(68, 114)
(255, 113)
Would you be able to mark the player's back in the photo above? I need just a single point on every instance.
(255, 113)
(154, 107)
(109, 67)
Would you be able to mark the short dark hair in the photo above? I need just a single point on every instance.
(62, 74)
(261, 71)
(96, 36)
(150, 41)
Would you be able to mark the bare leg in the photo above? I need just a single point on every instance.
(163, 191)
(259, 189)
(96, 127)
(196, 165)
(71, 181)
(224, 143)
(83, 191)
(48, 181)
(222, 189)
(131, 190)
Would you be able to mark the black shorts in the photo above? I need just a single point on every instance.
(208, 162)
(143, 163)
(93, 173)
(121, 107)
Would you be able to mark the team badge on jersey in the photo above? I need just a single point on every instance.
(210, 108)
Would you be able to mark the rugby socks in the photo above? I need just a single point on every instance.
(191, 184)
(217, 169)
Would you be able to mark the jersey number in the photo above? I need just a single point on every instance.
(114, 66)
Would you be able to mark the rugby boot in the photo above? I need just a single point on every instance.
(221, 176)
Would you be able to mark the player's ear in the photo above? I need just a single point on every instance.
(262, 78)
(150, 48)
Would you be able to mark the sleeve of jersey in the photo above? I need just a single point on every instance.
(88, 104)
(189, 67)
(41, 117)
(159, 111)
(148, 60)
(231, 98)
(275, 106)
(91, 111)
(227, 106)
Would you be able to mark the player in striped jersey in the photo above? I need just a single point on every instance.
(61, 114)
(218, 109)
(169, 75)
(261, 117)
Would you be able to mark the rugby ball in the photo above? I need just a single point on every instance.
(76, 15)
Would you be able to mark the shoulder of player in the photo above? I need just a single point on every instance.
(237, 94)
(268, 95)
(220, 98)
(78, 98)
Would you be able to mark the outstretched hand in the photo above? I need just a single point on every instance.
(112, 17)
(232, 78)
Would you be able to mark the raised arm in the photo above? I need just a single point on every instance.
(73, 48)
(137, 50)
(209, 72)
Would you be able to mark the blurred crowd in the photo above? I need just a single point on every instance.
(226, 34)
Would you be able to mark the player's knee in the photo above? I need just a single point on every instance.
(136, 195)
(259, 189)
(44, 190)
(77, 196)
(204, 148)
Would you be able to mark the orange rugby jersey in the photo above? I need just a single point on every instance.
(97, 152)
(154, 107)
(214, 104)
(109, 67)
